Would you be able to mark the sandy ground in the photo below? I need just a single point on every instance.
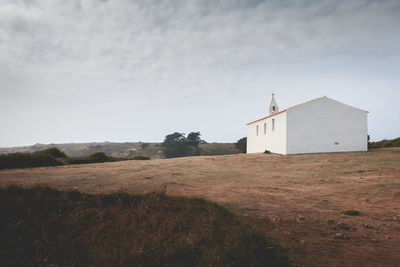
(298, 200)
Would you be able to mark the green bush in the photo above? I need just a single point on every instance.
(53, 151)
(352, 212)
(78, 160)
(99, 157)
(46, 227)
(385, 143)
(141, 158)
(267, 152)
(241, 144)
(48, 157)
(26, 160)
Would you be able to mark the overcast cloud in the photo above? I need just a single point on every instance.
(119, 70)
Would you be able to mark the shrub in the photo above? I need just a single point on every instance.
(384, 143)
(267, 152)
(241, 144)
(99, 157)
(48, 157)
(53, 151)
(78, 160)
(25, 160)
(144, 146)
(352, 212)
(141, 158)
(46, 227)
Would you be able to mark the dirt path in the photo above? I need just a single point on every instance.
(298, 200)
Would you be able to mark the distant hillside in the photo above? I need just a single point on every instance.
(121, 150)
(385, 143)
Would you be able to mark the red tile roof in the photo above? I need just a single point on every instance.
(266, 117)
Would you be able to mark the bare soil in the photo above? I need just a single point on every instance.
(299, 200)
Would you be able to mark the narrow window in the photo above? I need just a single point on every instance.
(265, 128)
(273, 124)
(257, 130)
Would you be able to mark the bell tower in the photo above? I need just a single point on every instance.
(273, 107)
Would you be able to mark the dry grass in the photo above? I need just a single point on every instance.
(46, 227)
(293, 198)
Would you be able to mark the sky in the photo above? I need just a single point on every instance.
(126, 71)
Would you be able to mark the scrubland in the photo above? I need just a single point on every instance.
(340, 209)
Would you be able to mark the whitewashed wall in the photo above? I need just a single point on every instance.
(274, 141)
(325, 125)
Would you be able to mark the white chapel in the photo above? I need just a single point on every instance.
(317, 126)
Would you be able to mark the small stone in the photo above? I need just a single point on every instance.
(302, 241)
(368, 226)
(340, 235)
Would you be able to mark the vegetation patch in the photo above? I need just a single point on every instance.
(241, 144)
(49, 157)
(384, 143)
(212, 149)
(334, 181)
(43, 226)
(179, 145)
(352, 212)
(97, 157)
(346, 227)
(141, 158)
(267, 152)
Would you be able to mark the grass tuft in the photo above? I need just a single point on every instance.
(352, 212)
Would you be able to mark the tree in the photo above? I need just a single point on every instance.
(193, 140)
(241, 144)
(174, 145)
(177, 145)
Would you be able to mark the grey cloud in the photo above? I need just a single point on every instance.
(166, 53)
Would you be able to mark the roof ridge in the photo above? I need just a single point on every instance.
(303, 104)
(267, 116)
(286, 110)
(307, 102)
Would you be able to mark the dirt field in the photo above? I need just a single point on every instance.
(298, 200)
